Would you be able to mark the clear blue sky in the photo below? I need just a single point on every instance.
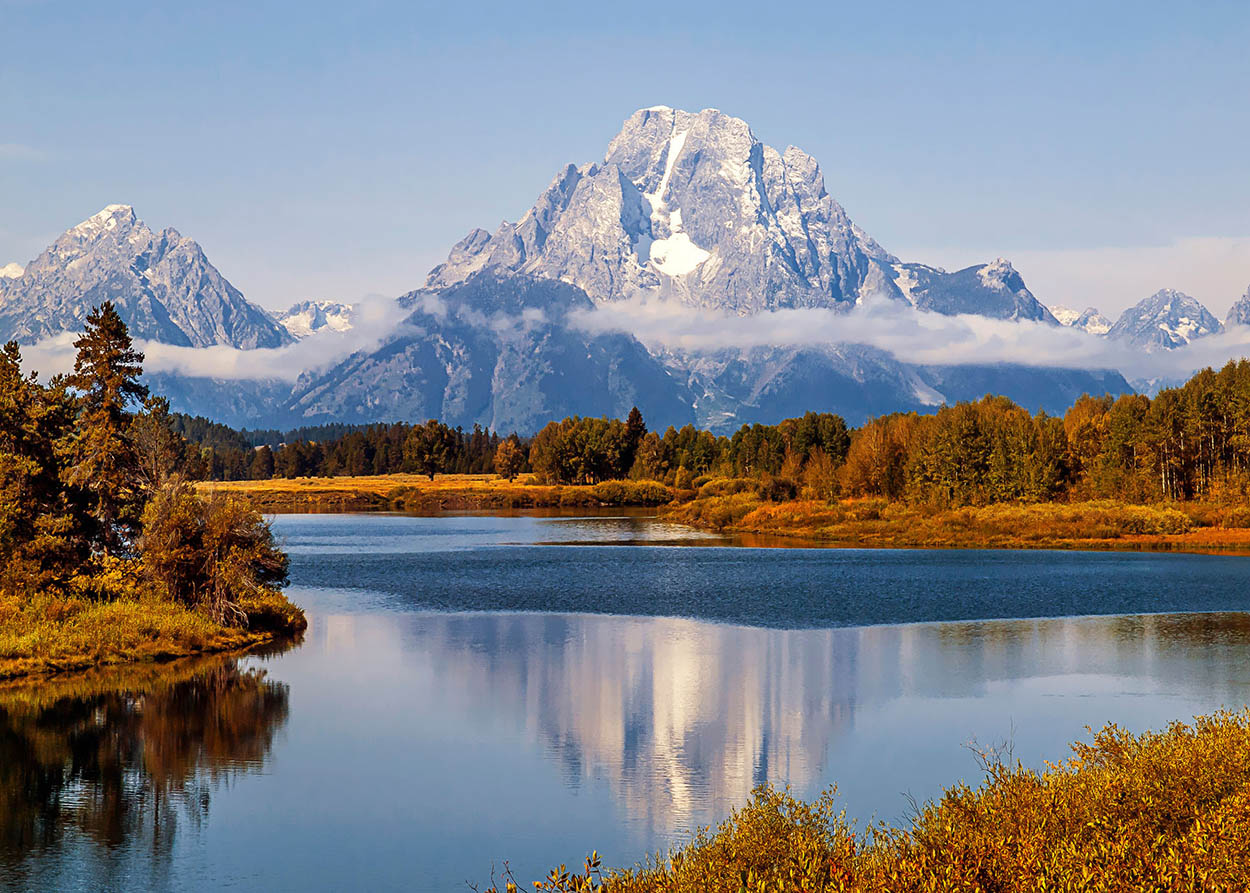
(331, 149)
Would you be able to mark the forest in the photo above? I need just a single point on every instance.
(1187, 443)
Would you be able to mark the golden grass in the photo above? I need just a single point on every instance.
(1101, 524)
(1166, 810)
(417, 493)
(54, 633)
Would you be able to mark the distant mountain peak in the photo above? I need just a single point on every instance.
(161, 282)
(12, 271)
(1166, 320)
(1239, 313)
(306, 317)
(1089, 319)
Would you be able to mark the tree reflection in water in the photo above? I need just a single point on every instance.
(119, 759)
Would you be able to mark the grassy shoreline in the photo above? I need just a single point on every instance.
(52, 634)
(1103, 525)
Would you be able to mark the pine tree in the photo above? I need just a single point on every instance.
(103, 458)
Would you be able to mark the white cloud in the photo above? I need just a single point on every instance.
(910, 335)
(373, 320)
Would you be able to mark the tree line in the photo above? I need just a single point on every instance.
(1188, 442)
(90, 501)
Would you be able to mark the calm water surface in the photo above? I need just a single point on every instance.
(469, 693)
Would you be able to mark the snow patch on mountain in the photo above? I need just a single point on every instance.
(12, 271)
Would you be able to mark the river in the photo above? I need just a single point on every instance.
(475, 689)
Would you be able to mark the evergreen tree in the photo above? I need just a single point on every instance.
(103, 458)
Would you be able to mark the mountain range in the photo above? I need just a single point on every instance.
(685, 209)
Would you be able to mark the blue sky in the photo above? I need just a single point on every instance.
(333, 150)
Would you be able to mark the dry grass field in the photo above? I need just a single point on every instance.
(418, 494)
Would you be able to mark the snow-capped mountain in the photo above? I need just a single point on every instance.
(306, 317)
(1239, 313)
(163, 285)
(1089, 319)
(1166, 320)
(692, 206)
(12, 271)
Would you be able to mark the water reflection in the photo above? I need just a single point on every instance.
(683, 718)
(113, 763)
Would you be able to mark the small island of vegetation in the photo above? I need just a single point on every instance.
(106, 553)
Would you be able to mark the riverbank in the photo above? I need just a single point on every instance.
(859, 523)
(868, 523)
(50, 634)
(417, 494)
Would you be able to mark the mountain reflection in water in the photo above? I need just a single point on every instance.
(683, 718)
(113, 763)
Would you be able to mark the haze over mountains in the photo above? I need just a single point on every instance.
(629, 281)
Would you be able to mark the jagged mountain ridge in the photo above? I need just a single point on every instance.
(693, 207)
(162, 284)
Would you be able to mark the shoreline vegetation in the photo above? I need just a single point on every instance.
(1164, 810)
(106, 553)
(736, 507)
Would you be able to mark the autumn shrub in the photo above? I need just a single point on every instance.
(777, 488)
(1159, 811)
(715, 512)
(209, 553)
(726, 486)
(631, 493)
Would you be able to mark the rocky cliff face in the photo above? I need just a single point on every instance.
(164, 288)
(693, 207)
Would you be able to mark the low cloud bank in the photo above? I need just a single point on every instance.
(374, 319)
(910, 335)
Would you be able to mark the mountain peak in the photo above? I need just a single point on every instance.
(110, 218)
(162, 284)
(12, 271)
(1167, 319)
(692, 207)
(1239, 313)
